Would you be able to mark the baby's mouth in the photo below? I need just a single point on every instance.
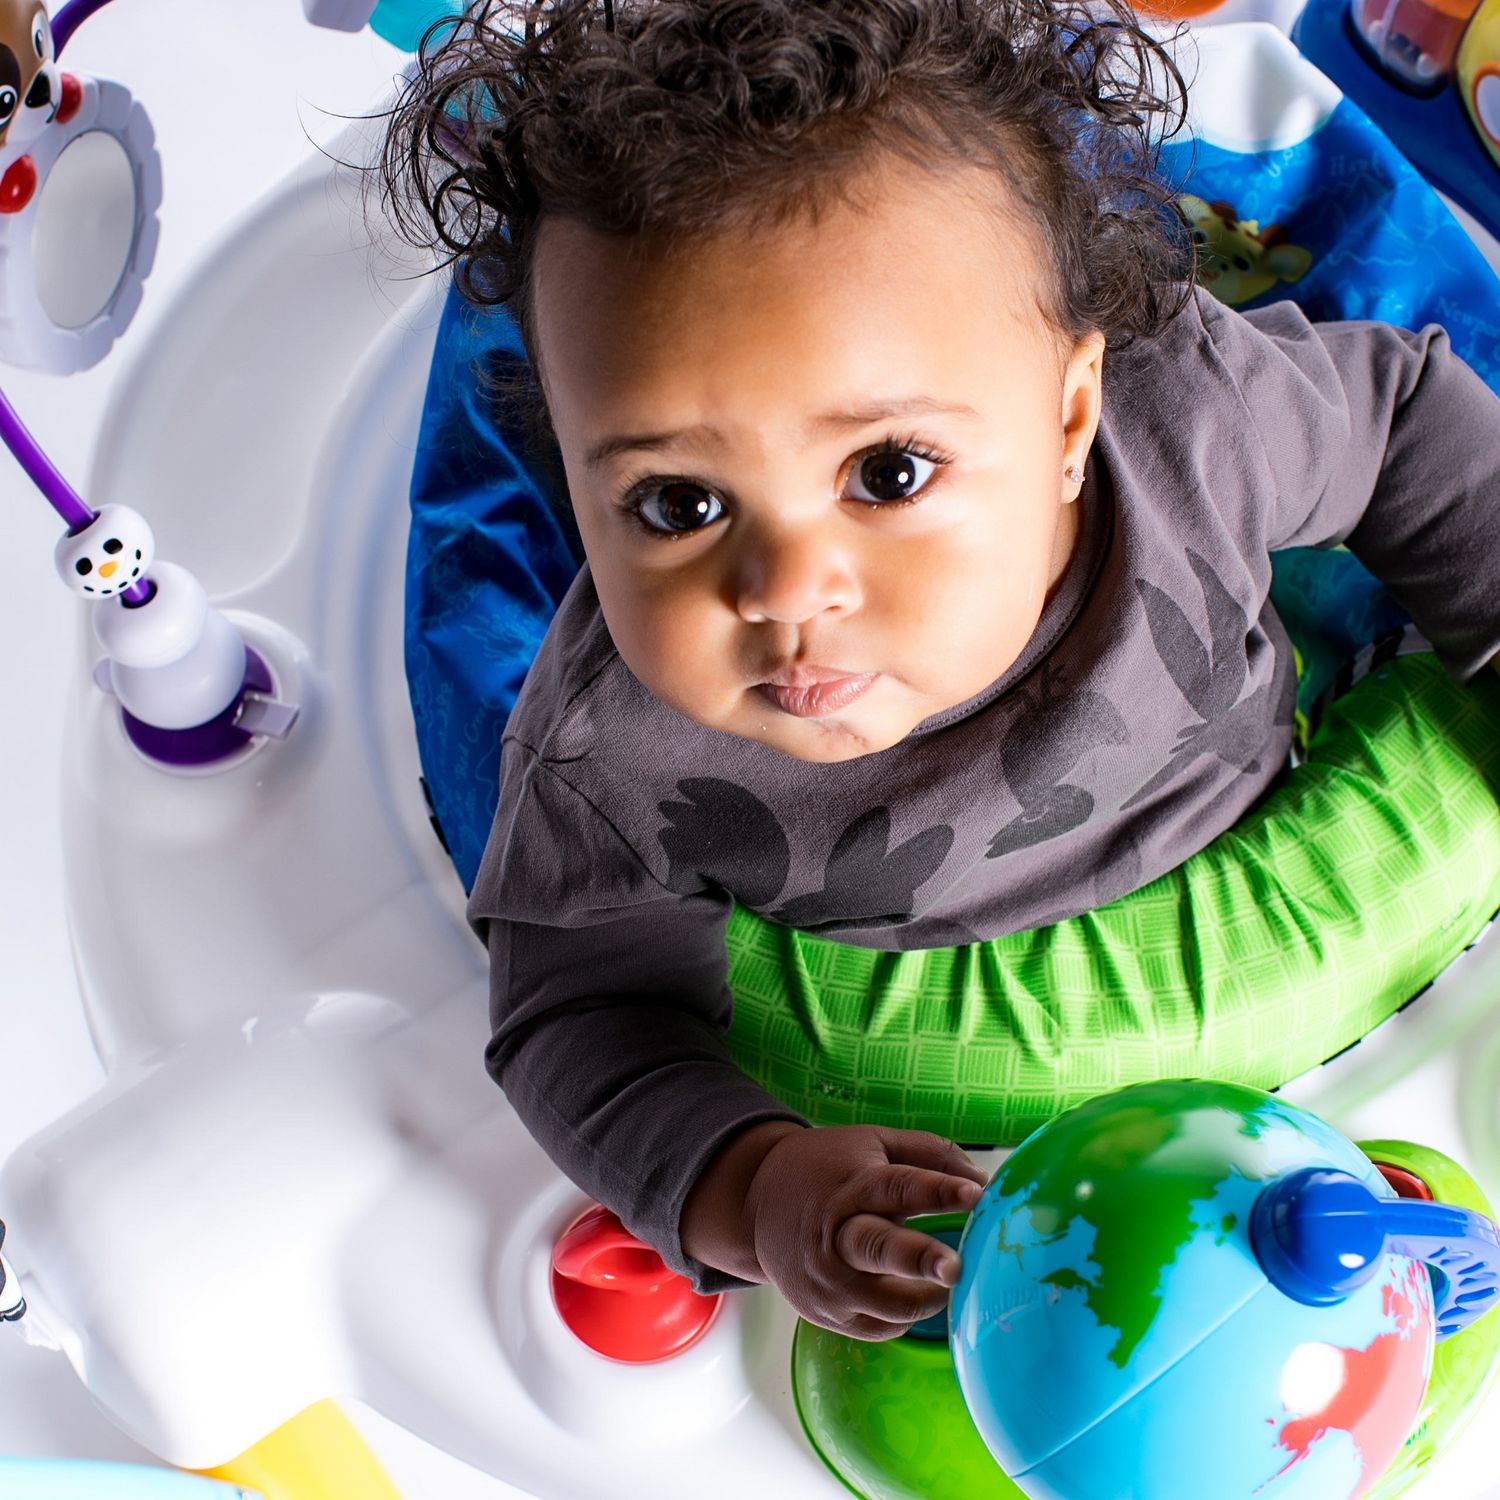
(815, 699)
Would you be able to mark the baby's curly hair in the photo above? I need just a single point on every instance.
(675, 119)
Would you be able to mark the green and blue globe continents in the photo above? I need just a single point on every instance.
(1115, 1337)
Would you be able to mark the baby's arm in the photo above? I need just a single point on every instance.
(617, 1064)
(609, 1005)
(1387, 441)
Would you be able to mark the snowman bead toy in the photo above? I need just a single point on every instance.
(108, 555)
(173, 661)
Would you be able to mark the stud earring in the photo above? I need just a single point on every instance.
(1073, 474)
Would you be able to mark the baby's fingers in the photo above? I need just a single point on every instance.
(901, 1192)
(866, 1242)
(923, 1148)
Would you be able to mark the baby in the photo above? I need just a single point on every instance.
(928, 509)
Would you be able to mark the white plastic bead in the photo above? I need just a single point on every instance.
(192, 689)
(161, 631)
(81, 557)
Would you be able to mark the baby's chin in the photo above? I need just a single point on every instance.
(845, 735)
(825, 743)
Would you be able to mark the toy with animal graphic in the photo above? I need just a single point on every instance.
(1238, 260)
(73, 150)
(1427, 72)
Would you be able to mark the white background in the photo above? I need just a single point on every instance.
(238, 91)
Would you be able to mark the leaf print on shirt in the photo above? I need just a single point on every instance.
(1053, 730)
(1209, 676)
(865, 883)
(725, 834)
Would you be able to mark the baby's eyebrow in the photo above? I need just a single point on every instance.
(858, 416)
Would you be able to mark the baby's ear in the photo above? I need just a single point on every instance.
(1082, 394)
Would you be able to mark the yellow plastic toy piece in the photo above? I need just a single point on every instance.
(318, 1455)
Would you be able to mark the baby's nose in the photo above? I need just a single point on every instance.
(790, 580)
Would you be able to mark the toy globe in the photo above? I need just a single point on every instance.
(1190, 1289)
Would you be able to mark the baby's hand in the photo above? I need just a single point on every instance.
(825, 1207)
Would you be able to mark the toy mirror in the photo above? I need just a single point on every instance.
(78, 228)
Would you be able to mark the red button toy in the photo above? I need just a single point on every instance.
(617, 1295)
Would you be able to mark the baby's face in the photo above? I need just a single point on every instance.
(833, 451)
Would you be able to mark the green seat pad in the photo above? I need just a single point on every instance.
(1346, 890)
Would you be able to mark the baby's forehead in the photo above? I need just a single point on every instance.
(959, 253)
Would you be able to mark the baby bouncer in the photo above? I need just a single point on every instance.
(270, 827)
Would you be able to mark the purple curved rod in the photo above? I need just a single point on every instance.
(66, 501)
(69, 19)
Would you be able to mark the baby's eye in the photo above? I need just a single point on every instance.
(678, 506)
(892, 473)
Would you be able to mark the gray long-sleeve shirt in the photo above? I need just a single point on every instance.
(1150, 709)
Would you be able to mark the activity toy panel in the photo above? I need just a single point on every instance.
(80, 191)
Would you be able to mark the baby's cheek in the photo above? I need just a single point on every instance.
(686, 658)
(973, 619)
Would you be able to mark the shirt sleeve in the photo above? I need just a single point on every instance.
(1386, 441)
(608, 1005)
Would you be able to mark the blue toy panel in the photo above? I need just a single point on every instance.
(492, 548)
(1383, 244)
(1434, 132)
